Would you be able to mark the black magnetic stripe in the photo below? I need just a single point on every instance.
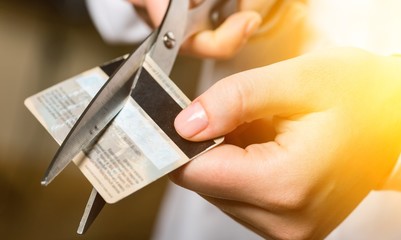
(162, 109)
(110, 67)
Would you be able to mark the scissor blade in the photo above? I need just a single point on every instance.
(93, 207)
(182, 23)
(101, 110)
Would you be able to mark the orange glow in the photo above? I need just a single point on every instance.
(368, 24)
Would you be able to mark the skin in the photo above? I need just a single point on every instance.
(303, 147)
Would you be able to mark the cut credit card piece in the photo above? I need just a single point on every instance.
(139, 146)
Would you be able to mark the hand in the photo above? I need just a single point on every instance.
(307, 139)
(224, 41)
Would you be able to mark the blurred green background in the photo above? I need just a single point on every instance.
(43, 42)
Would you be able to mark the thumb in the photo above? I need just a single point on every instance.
(243, 98)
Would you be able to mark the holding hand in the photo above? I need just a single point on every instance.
(307, 139)
(222, 42)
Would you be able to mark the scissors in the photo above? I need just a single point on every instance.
(180, 22)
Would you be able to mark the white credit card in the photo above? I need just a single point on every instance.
(139, 146)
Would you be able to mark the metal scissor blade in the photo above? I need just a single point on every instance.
(93, 207)
(180, 23)
(165, 58)
(101, 110)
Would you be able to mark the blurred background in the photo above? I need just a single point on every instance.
(43, 42)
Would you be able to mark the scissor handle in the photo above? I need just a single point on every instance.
(170, 35)
(208, 15)
(180, 22)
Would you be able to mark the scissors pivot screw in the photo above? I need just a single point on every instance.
(169, 40)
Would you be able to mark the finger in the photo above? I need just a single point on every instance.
(227, 39)
(280, 174)
(280, 90)
(156, 10)
(228, 172)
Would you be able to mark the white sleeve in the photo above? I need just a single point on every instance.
(117, 21)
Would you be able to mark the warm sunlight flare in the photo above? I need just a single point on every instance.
(345, 24)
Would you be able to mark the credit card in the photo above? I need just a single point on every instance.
(139, 146)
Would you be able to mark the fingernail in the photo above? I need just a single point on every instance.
(191, 120)
(252, 26)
